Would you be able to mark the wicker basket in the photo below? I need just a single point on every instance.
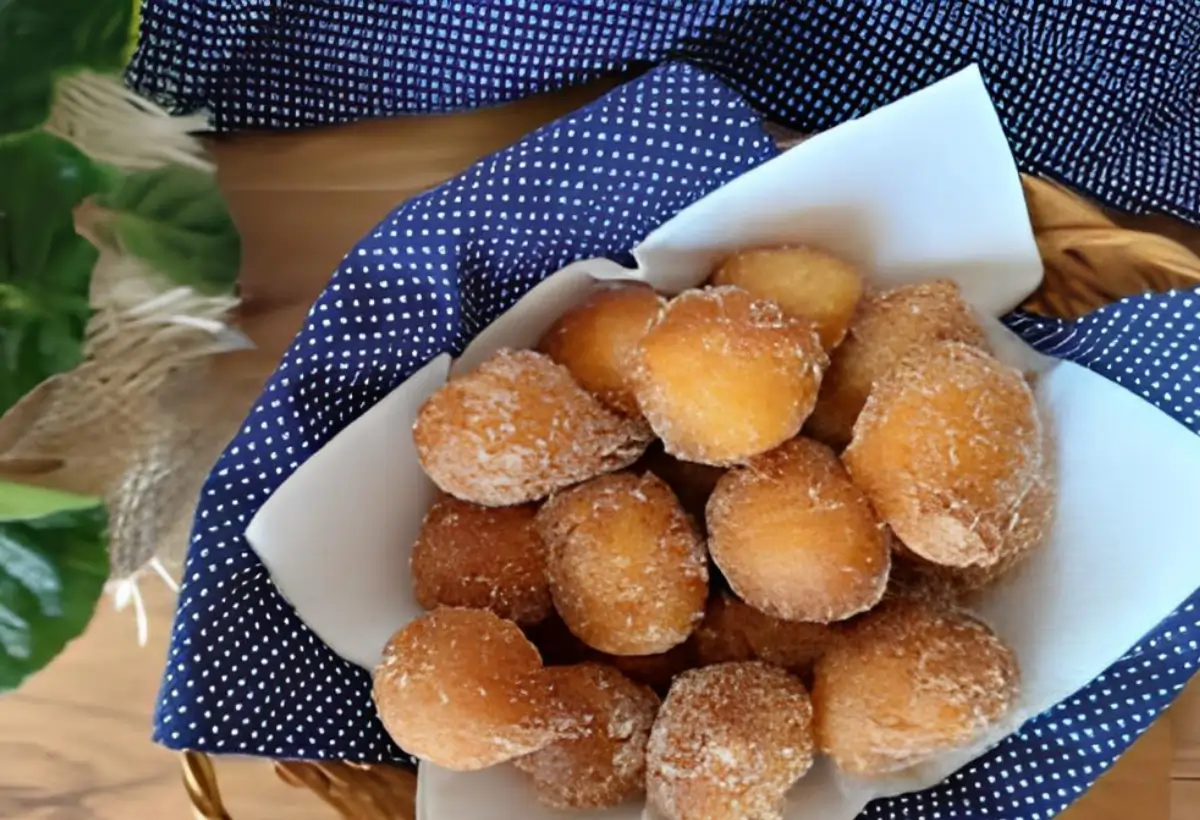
(1089, 262)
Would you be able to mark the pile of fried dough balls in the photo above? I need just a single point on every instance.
(689, 543)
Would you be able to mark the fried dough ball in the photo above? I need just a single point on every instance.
(656, 671)
(596, 341)
(601, 761)
(947, 448)
(464, 689)
(723, 636)
(885, 329)
(908, 681)
(724, 376)
(734, 631)
(795, 538)
(519, 428)
(692, 483)
(482, 558)
(556, 644)
(627, 566)
(729, 742)
(1030, 527)
(804, 281)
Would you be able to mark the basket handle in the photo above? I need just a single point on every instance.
(200, 781)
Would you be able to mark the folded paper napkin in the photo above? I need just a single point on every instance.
(246, 676)
(1101, 94)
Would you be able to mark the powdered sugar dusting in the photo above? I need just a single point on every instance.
(723, 376)
(627, 567)
(519, 428)
(482, 557)
(728, 743)
(735, 631)
(910, 680)
(465, 690)
(947, 447)
(795, 538)
(887, 327)
(601, 761)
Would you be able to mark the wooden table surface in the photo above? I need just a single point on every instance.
(74, 742)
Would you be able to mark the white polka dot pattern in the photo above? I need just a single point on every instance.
(245, 676)
(1100, 94)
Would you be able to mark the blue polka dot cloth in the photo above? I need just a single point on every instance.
(1101, 94)
(246, 676)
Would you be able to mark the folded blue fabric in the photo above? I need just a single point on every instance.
(246, 676)
(1100, 94)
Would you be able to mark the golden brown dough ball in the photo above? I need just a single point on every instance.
(556, 644)
(723, 635)
(596, 341)
(692, 483)
(724, 376)
(805, 281)
(517, 429)
(885, 329)
(601, 761)
(949, 445)
(1030, 528)
(655, 671)
(626, 565)
(908, 681)
(482, 558)
(734, 631)
(729, 742)
(795, 538)
(464, 689)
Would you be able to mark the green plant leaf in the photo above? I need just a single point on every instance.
(25, 103)
(175, 219)
(41, 40)
(20, 502)
(52, 572)
(45, 267)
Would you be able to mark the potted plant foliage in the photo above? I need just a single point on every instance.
(95, 183)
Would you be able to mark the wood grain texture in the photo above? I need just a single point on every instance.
(1185, 800)
(1185, 721)
(74, 743)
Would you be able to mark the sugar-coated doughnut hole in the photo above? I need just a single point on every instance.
(596, 341)
(795, 538)
(724, 376)
(464, 689)
(723, 636)
(656, 671)
(482, 558)
(908, 681)
(559, 647)
(601, 759)
(806, 282)
(692, 483)
(627, 566)
(947, 448)
(518, 428)
(887, 327)
(729, 742)
(1030, 528)
(556, 643)
(735, 631)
